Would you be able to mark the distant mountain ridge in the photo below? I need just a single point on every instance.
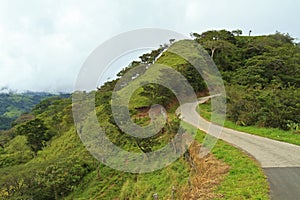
(12, 104)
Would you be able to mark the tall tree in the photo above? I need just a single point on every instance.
(37, 133)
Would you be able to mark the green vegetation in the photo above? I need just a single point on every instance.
(289, 136)
(13, 105)
(37, 133)
(42, 156)
(262, 77)
(245, 179)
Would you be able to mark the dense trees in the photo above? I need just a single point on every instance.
(37, 133)
(221, 45)
(271, 107)
(237, 32)
(157, 94)
(262, 75)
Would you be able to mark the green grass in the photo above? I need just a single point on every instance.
(113, 184)
(13, 112)
(245, 179)
(171, 59)
(272, 133)
(137, 100)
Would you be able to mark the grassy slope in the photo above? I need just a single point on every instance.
(106, 183)
(245, 178)
(244, 181)
(114, 184)
(272, 133)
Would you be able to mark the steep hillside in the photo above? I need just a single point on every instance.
(44, 158)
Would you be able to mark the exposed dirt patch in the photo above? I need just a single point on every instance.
(206, 173)
(142, 112)
(202, 94)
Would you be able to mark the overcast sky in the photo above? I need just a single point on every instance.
(43, 43)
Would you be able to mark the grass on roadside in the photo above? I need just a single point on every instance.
(245, 179)
(272, 133)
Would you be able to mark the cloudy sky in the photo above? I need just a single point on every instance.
(43, 43)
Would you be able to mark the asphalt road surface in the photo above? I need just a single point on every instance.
(280, 161)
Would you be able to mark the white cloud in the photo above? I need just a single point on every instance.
(44, 43)
(195, 10)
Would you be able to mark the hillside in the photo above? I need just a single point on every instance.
(12, 105)
(261, 75)
(42, 156)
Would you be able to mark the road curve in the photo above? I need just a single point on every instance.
(280, 161)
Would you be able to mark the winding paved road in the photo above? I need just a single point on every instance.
(280, 161)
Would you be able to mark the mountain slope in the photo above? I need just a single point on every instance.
(12, 105)
(52, 162)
